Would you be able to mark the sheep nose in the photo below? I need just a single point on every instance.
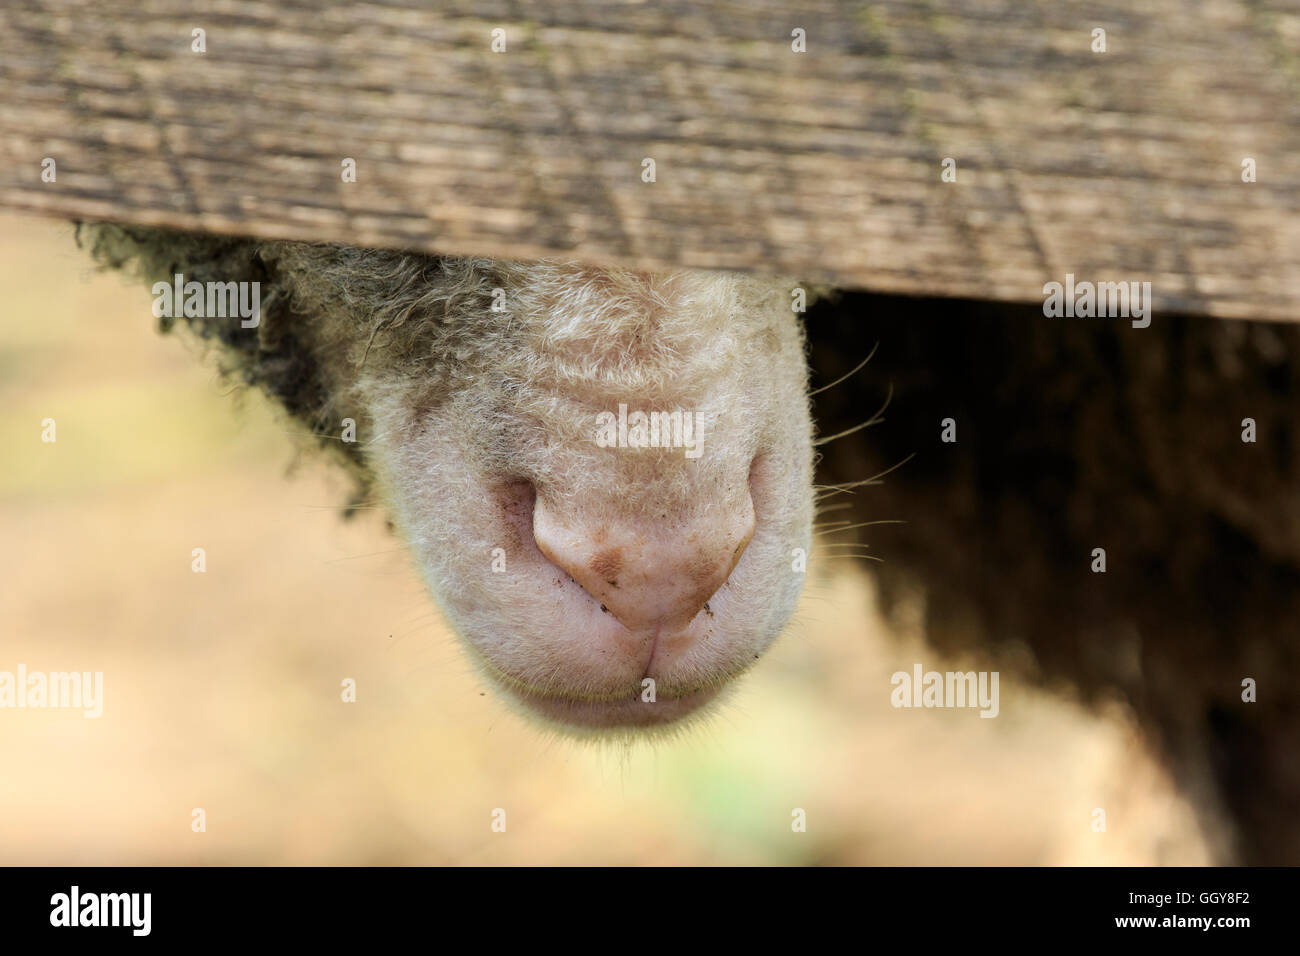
(649, 578)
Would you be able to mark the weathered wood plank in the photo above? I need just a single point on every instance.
(1123, 165)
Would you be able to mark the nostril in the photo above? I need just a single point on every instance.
(649, 578)
(517, 500)
(755, 481)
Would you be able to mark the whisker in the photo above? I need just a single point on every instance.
(857, 368)
(874, 479)
(354, 557)
(862, 524)
(873, 420)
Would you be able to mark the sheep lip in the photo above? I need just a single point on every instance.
(576, 713)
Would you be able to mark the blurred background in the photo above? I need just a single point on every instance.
(222, 690)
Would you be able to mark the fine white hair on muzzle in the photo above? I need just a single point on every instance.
(605, 476)
(638, 572)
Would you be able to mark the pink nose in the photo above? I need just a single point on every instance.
(649, 579)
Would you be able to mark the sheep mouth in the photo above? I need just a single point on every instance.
(587, 716)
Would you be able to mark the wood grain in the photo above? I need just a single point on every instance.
(823, 165)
